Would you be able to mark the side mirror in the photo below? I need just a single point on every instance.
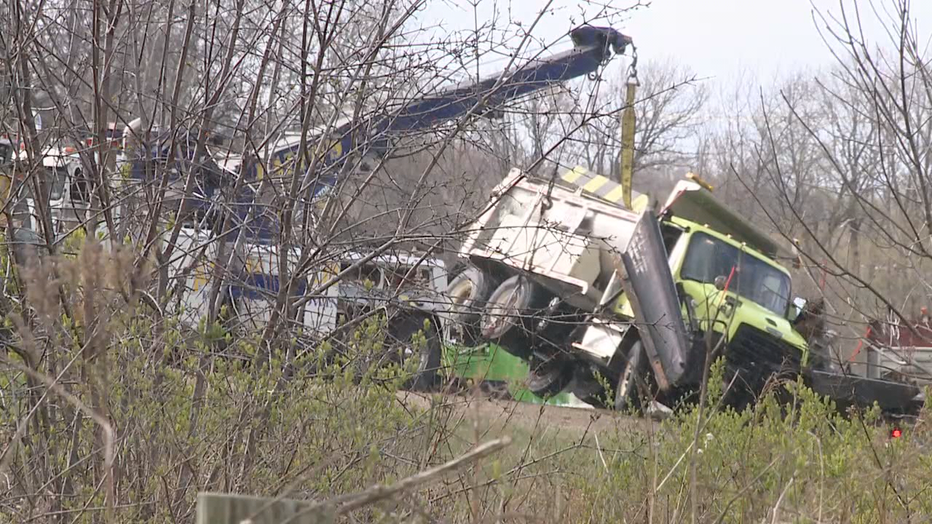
(720, 282)
(796, 307)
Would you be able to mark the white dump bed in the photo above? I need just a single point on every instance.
(567, 237)
(577, 245)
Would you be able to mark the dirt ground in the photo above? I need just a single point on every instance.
(496, 414)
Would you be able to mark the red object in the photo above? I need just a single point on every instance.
(730, 275)
(727, 283)
(860, 344)
(896, 433)
(824, 272)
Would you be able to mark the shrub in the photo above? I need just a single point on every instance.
(84, 354)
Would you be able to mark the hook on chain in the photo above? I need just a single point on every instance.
(633, 66)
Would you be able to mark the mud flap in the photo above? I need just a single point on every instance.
(651, 291)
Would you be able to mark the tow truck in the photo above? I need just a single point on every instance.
(252, 273)
(69, 197)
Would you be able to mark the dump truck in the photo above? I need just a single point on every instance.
(589, 292)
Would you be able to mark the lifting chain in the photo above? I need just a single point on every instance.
(633, 66)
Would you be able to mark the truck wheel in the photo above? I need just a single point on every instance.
(467, 294)
(546, 379)
(405, 345)
(627, 394)
(509, 318)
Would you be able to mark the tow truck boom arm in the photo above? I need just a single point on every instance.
(592, 47)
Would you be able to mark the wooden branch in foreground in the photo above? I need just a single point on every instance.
(217, 508)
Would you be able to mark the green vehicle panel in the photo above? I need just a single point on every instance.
(489, 363)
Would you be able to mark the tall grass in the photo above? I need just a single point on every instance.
(112, 413)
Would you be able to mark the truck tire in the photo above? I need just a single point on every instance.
(467, 294)
(511, 315)
(627, 391)
(546, 379)
(402, 330)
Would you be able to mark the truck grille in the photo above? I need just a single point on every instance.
(760, 355)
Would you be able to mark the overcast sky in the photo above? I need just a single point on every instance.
(716, 38)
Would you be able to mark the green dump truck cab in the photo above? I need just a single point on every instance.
(739, 294)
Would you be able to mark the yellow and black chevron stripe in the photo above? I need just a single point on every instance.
(596, 184)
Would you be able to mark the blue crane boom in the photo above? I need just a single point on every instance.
(592, 47)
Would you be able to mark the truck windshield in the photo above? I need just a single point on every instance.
(754, 279)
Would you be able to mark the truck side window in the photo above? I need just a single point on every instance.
(395, 276)
(707, 259)
(365, 272)
(424, 278)
(80, 187)
(670, 235)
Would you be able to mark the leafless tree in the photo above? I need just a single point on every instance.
(836, 161)
(207, 92)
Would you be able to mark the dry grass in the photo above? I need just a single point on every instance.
(111, 414)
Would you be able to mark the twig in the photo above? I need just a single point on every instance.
(598, 447)
(690, 446)
(776, 507)
(90, 412)
(745, 489)
(348, 503)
